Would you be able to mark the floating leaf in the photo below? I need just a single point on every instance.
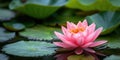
(113, 41)
(27, 23)
(29, 48)
(61, 19)
(81, 57)
(88, 5)
(3, 57)
(2, 29)
(39, 33)
(13, 26)
(113, 57)
(87, 2)
(115, 2)
(108, 20)
(6, 14)
(4, 36)
(40, 8)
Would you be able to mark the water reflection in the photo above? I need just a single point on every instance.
(73, 56)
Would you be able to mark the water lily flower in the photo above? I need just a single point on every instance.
(79, 37)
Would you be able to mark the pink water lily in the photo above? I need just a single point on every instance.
(79, 37)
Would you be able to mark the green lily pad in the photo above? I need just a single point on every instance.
(40, 32)
(40, 8)
(88, 5)
(6, 15)
(115, 2)
(81, 57)
(108, 20)
(87, 2)
(13, 26)
(29, 48)
(113, 57)
(3, 57)
(4, 36)
(113, 41)
(61, 19)
(27, 23)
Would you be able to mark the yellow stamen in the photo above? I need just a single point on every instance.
(76, 30)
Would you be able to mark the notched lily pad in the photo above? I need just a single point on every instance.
(14, 26)
(40, 32)
(4, 36)
(40, 8)
(108, 20)
(113, 57)
(29, 48)
(6, 15)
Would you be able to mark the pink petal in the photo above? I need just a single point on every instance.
(78, 51)
(91, 28)
(70, 25)
(89, 50)
(98, 43)
(60, 36)
(85, 23)
(66, 41)
(87, 44)
(97, 33)
(64, 30)
(79, 24)
(90, 37)
(74, 26)
(67, 34)
(85, 33)
(60, 44)
(80, 41)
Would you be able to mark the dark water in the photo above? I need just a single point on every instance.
(30, 58)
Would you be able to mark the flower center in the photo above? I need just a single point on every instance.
(76, 30)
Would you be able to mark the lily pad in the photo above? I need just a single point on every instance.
(27, 23)
(88, 5)
(87, 2)
(3, 57)
(115, 2)
(40, 8)
(39, 32)
(108, 20)
(6, 15)
(113, 39)
(4, 36)
(113, 57)
(29, 48)
(13, 26)
(61, 19)
(81, 57)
